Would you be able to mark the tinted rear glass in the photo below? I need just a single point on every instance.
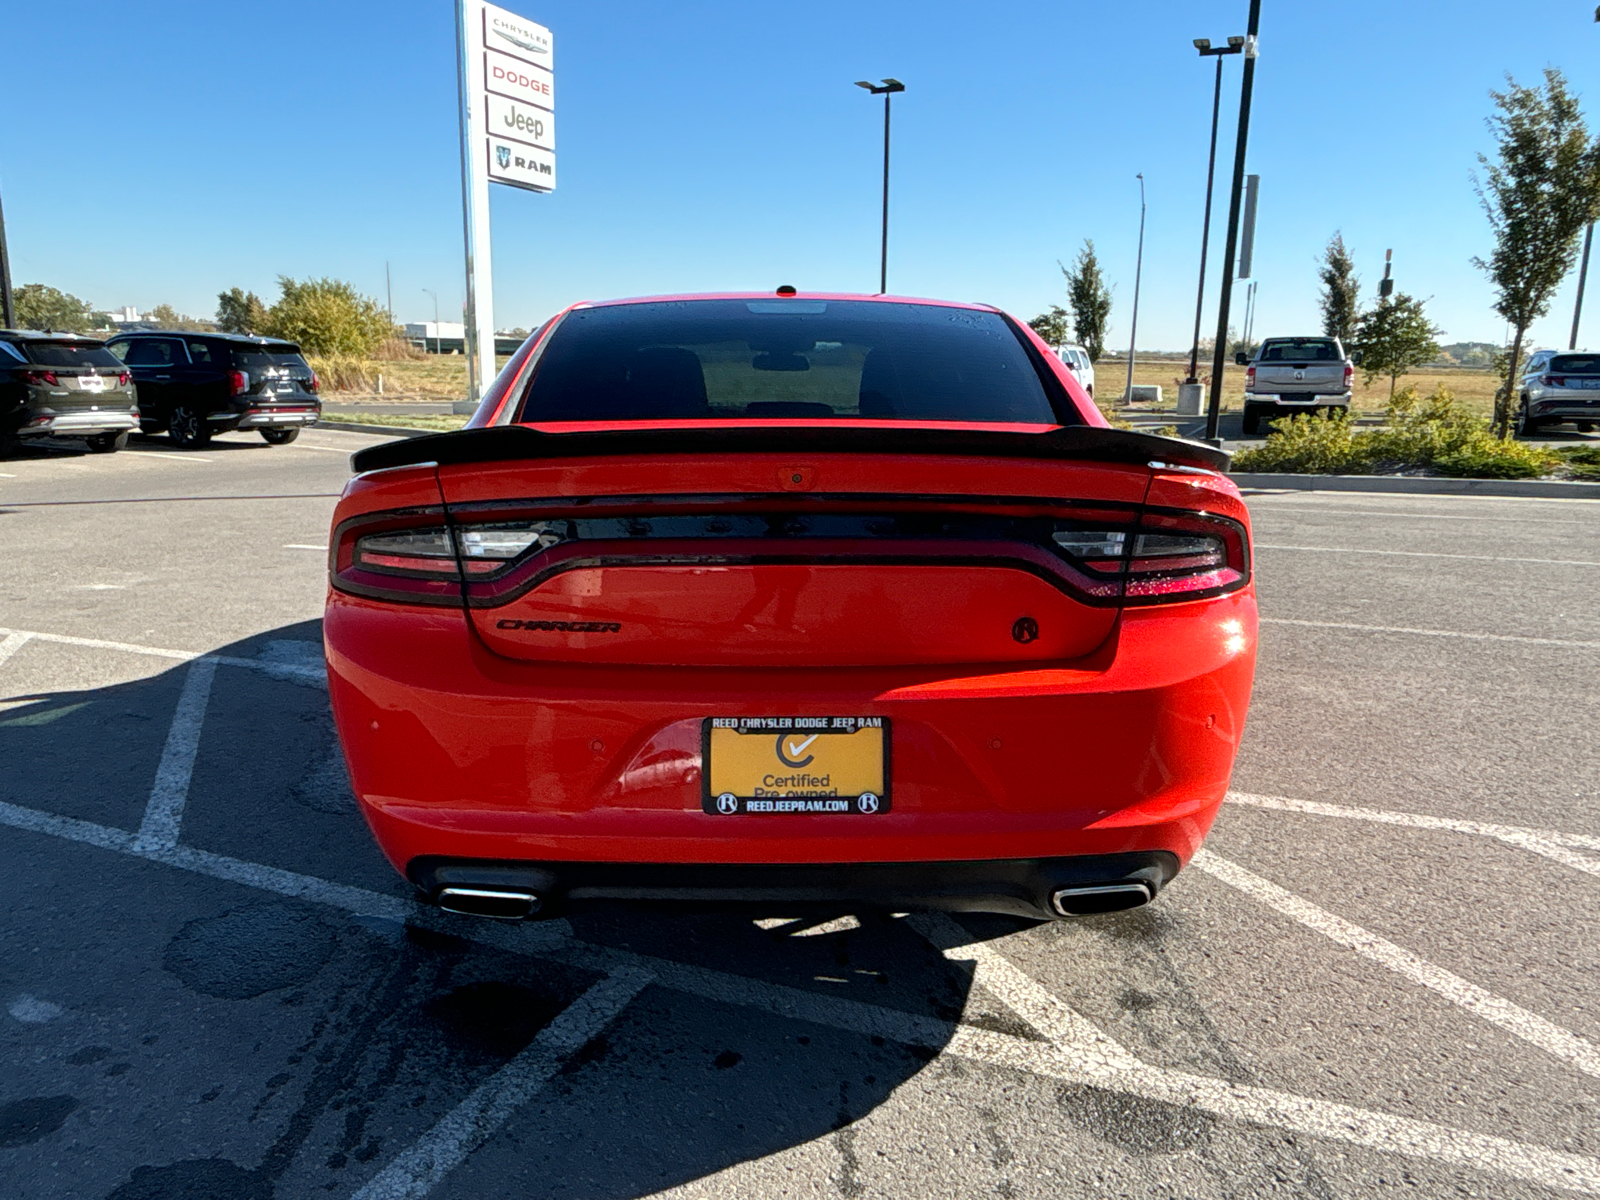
(279, 356)
(1574, 364)
(64, 354)
(1309, 350)
(785, 359)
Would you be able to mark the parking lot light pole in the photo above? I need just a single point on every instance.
(1234, 46)
(1214, 408)
(8, 315)
(887, 89)
(1138, 272)
(436, 347)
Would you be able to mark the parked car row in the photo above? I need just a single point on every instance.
(190, 386)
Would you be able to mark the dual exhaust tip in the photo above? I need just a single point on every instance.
(515, 904)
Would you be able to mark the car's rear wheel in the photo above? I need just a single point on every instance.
(1526, 424)
(187, 428)
(1585, 426)
(280, 437)
(107, 443)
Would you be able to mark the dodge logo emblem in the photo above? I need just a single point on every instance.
(503, 153)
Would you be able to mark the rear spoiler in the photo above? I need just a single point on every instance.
(508, 443)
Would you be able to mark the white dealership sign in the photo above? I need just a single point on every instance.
(506, 67)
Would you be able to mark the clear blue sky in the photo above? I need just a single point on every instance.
(164, 152)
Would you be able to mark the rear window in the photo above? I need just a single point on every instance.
(65, 354)
(785, 359)
(281, 356)
(1574, 364)
(1307, 350)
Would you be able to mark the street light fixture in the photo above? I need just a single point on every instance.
(1234, 46)
(1250, 46)
(886, 89)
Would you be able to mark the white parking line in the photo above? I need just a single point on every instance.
(12, 642)
(304, 546)
(1515, 1020)
(163, 815)
(1547, 842)
(1421, 516)
(295, 672)
(1554, 562)
(1439, 633)
(1262, 1106)
(472, 1122)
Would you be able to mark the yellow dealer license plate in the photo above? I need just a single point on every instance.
(784, 765)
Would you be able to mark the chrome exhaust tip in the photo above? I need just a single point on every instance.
(502, 904)
(1100, 898)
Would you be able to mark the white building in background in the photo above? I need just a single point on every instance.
(436, 331)
(126, 315)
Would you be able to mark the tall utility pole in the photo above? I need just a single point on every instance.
(388, 288)
(1235, 44)
(887, 89)
(1214, 408)
(1583, 276)
(7, 308)
(1138, 271)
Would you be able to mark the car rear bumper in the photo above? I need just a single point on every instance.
(458, 753)
(1585, 407)
(75, 423)
(269, 417)
(1298, 400)
(1037, 888)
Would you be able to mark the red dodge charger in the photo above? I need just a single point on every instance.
(790, 600)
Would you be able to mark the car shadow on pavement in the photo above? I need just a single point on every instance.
(306, 1045)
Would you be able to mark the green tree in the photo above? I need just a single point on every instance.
(328, 316)
(1395, 335)
(239, 311)
(41, 307)
(1090, 299)
(1540, 190)
(164, 316)
(1341, 291)
(1052, 326)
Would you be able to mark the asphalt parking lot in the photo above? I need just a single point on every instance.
(1379, 980)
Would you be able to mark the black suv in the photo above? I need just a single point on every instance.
(194, 385)
(63, 385)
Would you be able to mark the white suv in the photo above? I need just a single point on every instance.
(1559, 387)
(1076, 359)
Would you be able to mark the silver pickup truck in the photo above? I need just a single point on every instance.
(1295, 374)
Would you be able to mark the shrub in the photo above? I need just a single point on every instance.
(344, 372)
(1435, 433)
(328, 317)
(1582, 462)
(39, 306)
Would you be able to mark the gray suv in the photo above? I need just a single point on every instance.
(62, 385)
(1559, 387)
(1295, 374)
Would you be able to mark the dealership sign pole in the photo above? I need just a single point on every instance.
(505, 71)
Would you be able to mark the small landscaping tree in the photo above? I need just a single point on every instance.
(1052, 326)
(1090, 299)
(1539, 192)
(328, 317)
(1395, 335)
(1341, 291)
(239, 311)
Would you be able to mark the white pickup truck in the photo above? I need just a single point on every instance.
(1295, 374)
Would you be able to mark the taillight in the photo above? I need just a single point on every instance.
(1349, 377)
(1554, 381)
(1249, 379)
(1168, 557)
(122, 379)
(312, 383)
(42, 377)
(426, 565)
(238, 383)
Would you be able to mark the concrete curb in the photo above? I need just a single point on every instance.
(1418, 485)
(394, 431)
